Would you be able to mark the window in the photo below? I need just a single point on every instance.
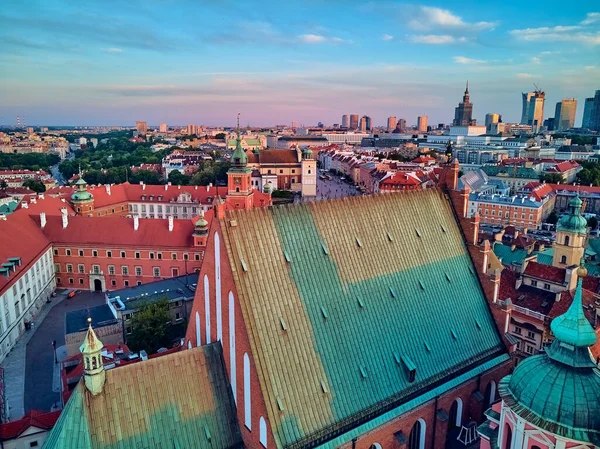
(35, 444)
(563, 259)
(80, 253)
(156, 272)
(177, 316)
(293, 171)
(122, 254)
(111, 269)
(128, 330)
(262, 431)
(113, 282)
(174, 256)
(247, 394)
(139, 283)
(534, 283)
(530, 216)
(94, 253)
(81, 281)
(196, 256)
(56, 252)
(56, 270)
(518, 330)
(281, 171)
(530, 335)
(108, 253)
(81, 268)
(547, 286)
(68, 252)
(69, 268)
(174, 272)
(159, 256)
(58, 280)
(151, 255)
(416, 439)
(138, 271)
(126, 283)
(185, 256)
(566, 240)
(125, 270)
(137, 255)
(529, 349)
(70, 280)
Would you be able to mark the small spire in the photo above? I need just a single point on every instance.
(467, 89)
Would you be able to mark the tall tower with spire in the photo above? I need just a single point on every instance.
(571, 234)
(93, 368)
(83, 201)
(552, 398)
(239, 176)
(463, 113)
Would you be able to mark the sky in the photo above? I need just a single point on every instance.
(108, 62)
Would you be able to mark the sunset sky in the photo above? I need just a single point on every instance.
(114, 62)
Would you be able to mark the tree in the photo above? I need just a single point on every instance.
(35, 185)
(552, 218)
(3, 184)
(592, 223)
(150, 327)
(552, 178)
(177, 178)
(220, 136)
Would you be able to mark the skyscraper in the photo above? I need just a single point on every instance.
(401, 126)
(363, 124)
(391, 123)
(294, 124)
(464, 111)
(564, 117)
(141, 127)
(192, 129)
(353, 121)
(492, 118)
(422, 123)
(588, 107)
(368, 123)
(533, 109)
(595, 114)
(345, 121)
(163, 128)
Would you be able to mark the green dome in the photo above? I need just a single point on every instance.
(201, 223)
(573, 221)
(555, 397)
(81, 196)
(307, 153)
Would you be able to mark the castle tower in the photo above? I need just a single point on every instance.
(571, 233)
(83, 201)
(93, 368)
(309, 173)
(200, 231)
(239, 177)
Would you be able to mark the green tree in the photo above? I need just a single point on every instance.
(552, 178)
(220, 136)
(177, 178)
(150, 327)
(592, 223)
(35, 185)
(552, 218)
(3, 184)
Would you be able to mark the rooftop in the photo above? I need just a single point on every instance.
(77, 320)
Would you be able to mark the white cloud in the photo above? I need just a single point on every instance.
(428, 17)
(526, 76)
(590, 18)
(318, 38)
(387, 37)
(561, 33)
(536, 60)
(114, 50)
(437, 39)
(463, 60)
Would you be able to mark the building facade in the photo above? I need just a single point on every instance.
(422, 123)
(463, 113)
(533, 109)
(564, 117)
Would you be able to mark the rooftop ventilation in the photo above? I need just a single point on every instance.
(443, 229)
(427, 347)
(411, 368)
(478, 324)
(244, 266)
(418, 233)
(361, 303)
(358, 242)
(324, 312)
(283, 325)
(324, 387)
(207, 432)
(363, 372)
(453, 332)
(288, 259)
(324, 248)
(421, 285)
(389, 237)
(393, 292)
(447, 277)
(280, 404)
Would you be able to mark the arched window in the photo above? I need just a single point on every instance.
(207, 309)
(198, 342)
(247, 397)
(87, 363)
(232, 364)
(94, 363)
(189, 344)
(375, 446)
(566, 240)
(262, 429)
(563, 259)
(456, 413)
(218, 287)
(507, 437)
(490, 394)
(416, 439)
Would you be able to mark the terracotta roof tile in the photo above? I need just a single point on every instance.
(33, 418)
(547, 272)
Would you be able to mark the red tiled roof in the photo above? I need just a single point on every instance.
(566, 298)
(34, 418)
(119, 231)
(528, 297)
(564, 166)
(571, 188)
(546, 272)
(277, 157)
(401, 179)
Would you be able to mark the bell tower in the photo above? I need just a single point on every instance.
(239, 176)
(83, 201)
(571, 234)
(93, 368)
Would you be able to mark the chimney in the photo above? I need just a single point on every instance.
(143, 185)
(496, 280)
(42, 219)
(107, 188)
(65, 217)
(195, 187)
(476, 228)
(170, 223)
(179, 187)
(41, 196)
(169, 183)
(486, 252)
(220, 209)
(33, 200)
(136, 222)
(24, 205)
(166, 186)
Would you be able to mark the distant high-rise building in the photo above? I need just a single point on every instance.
(345, 121)
(595, 116)
(463, 113)
(29, 130)
(391, 123)
(492, 118)
(533, 109)
(353, 121)
(294, 124)
(422, 123)
(564, 118)
(363, 124)
(141, 127)
(191, 129)
(163, 128)
(401, 126)
(368, 123)
(588, 107)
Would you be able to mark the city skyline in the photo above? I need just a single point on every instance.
(112, 64)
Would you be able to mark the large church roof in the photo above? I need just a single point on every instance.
(346, 300)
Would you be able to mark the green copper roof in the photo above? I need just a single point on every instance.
(573, 221)
(560, 391)
(81, 196)
(239, 157)
(80, 182)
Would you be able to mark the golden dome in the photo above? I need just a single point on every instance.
(582, 271)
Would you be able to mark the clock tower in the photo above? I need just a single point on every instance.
(239, 177)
